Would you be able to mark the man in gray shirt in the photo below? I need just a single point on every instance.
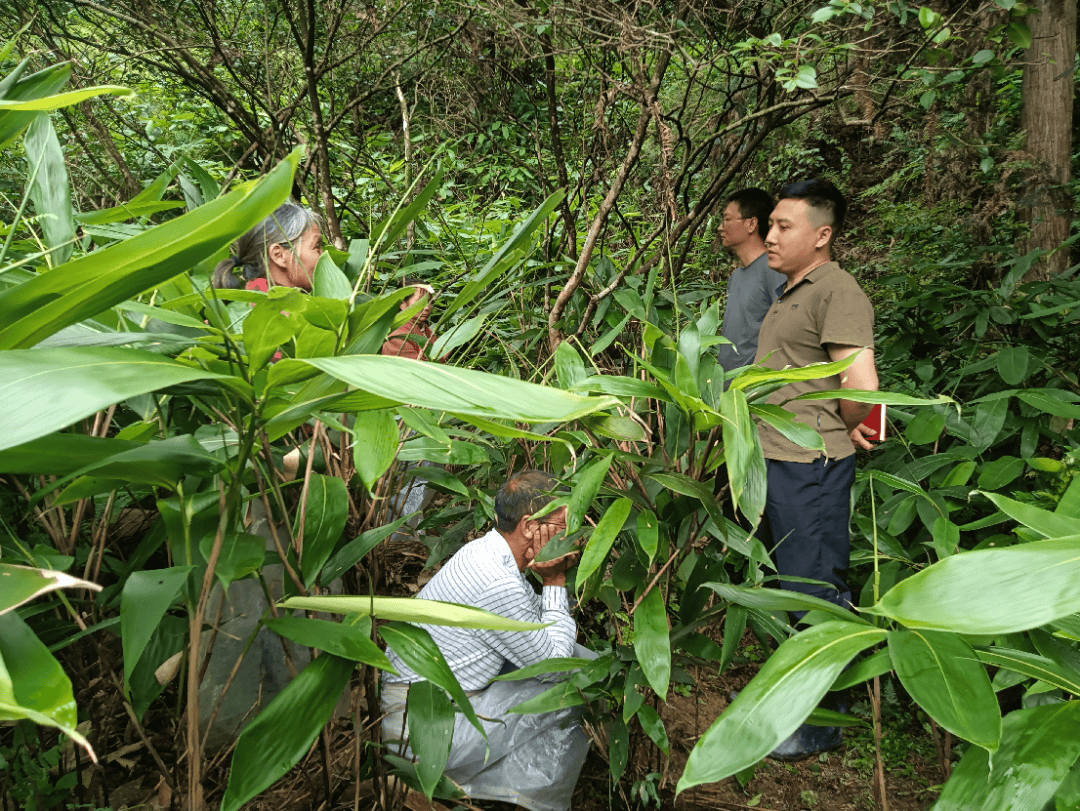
(751, 287)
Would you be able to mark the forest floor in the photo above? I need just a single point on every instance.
(840, 780)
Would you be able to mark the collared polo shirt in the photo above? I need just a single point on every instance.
(750, 292)
(827, 306)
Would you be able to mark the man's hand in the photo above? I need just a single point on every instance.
(552, 572)
(858, 437)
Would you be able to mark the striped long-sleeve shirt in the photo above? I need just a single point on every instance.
(484, 574)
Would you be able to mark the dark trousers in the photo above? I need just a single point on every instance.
(808, 508)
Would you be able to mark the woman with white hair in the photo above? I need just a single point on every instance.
(282, 250)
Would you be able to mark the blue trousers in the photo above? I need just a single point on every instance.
(808, 507)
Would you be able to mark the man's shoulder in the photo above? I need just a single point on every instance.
(836, 276)
(760, 265)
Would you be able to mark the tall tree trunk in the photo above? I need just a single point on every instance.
(1047, 118)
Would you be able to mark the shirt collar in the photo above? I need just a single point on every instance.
(817, 274)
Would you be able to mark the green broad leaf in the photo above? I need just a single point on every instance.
(648, 533)
(241, 554)
(285, 730)
(160, 313)
(161, 463)
(125, 211)
(743, 455)
(1050, 524)
(1050, 404)
(615, 426)
(559, 664)
(462, 392)
(652, 641)
(780, 600)
(653, 726)
(68, 99)
(831, 718)
(562, 695)
(990, 591)
(452, 452)
(586, 486)
(1067, 797)
(684, 485)
(1069, 505)
(1032, 665)
(1038, 748)
(421, 655)
(431, 728)
(623, 387)
(734, 628)
(876, 664)
(1020, 34)
(328, 281)
(618, 749)
(375, 444)
(502, 260)
(147, 595)
(784, 421)
(883, 397)
(423, 422)
(271, 323)
(945, 536)
(457, 335)
(754, 376)
(208, 187)
(988, 421)
(895, 481)
(21, 584)
(737, 444)
(569, 367)
(924, 428)
(32, 683)
(44, 390)
(1000, 472)
(600, 541)
(409, 609)
(778, 699)
(17, 87)
(944, 676)
(352, 552)
(1012, 363)
(50, 191)
(344, 639)
(93, 283)
(324, 520)
(806, 77)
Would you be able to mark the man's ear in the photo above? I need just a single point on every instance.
(824, 235)
(751, 225)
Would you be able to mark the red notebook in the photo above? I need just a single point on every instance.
(876, 421)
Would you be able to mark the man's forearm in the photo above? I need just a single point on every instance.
(852, 413)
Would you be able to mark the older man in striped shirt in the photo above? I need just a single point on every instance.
(532, 760)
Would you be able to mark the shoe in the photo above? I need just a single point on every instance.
(807, 741)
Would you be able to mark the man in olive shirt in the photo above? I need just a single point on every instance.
(821, 315)
(752, 286)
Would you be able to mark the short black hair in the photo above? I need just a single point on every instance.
(754, 203)
(522, 495)
(822, 195)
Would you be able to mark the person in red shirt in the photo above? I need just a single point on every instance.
(282, 250)
(409, 340)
